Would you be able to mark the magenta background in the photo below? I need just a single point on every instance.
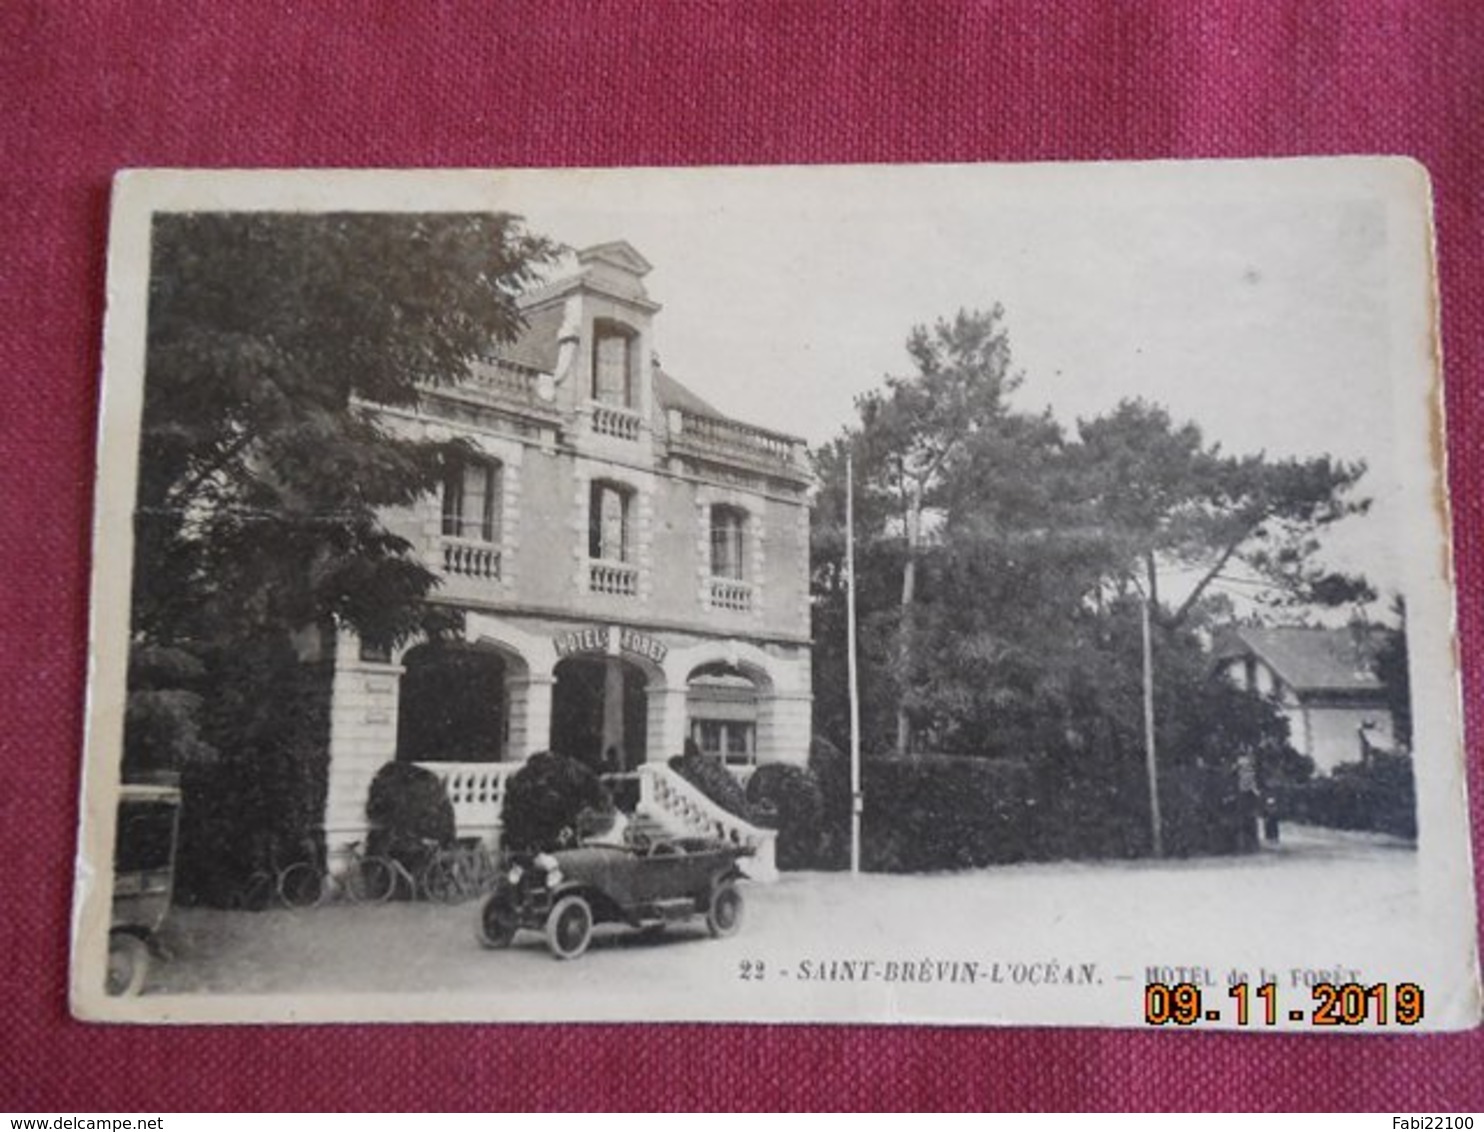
(89, 88)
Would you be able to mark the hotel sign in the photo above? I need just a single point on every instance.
(611, 639)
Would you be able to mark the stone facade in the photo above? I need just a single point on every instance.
(619, 553)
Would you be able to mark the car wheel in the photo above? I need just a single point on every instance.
(128, 964)
(569, 927)
(724, 916)
(497, 924)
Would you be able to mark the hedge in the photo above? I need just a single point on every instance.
(934, 812)
(1378, 795)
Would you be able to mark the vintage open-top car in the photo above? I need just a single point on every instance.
(647, 886)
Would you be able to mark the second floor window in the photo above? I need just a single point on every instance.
(728, 525)
(608, 522)
(470, 501)
(612, 365)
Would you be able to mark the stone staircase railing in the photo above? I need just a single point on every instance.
(664, 794)
(477, 791)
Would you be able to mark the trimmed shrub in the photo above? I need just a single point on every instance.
(793, 796)
(707, 774)
(544, 800)
(409, 811)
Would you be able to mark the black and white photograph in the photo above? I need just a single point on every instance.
(967, 595)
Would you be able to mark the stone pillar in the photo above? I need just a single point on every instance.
(363, 737)
(666, 724)
(612, 708)
(784, 721)
(530, 715)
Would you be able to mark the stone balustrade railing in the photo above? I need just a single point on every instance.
(733, 439)
(507, 381)
(477, 792)
(664, 794)
(470, 558)
(611, 420)
(615, 578)
(728, 593)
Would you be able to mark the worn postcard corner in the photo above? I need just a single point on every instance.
(973, 595)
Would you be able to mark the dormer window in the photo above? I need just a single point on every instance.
(614, 350)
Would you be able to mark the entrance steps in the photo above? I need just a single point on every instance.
(667, 807)
(672, 806)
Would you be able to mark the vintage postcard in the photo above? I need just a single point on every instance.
(954, 594)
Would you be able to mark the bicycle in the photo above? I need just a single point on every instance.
(365, 880)
(459, 873)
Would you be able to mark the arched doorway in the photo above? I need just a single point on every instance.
(453, 705)
(599, 712)
(722, 713)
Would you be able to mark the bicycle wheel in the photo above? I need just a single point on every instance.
(301, 886)
(442, 879)
(371, 880)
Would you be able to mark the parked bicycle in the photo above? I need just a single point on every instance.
(365, 880)
(461, 872)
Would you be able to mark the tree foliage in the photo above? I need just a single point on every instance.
(276, 342)
(1037, 547)
(262, 465)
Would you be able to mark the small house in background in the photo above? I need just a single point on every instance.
(1324, 681)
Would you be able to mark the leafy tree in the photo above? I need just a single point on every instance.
(1395, 675)
(274, 340)
(915, 429)
(262, 464)
(1028, 573)
(1170, 501)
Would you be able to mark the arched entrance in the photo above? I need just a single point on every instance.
(453, 703)
(599, 712)
(722, 713)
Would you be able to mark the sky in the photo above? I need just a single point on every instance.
(1255, 299)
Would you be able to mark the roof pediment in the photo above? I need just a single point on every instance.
(616, 253)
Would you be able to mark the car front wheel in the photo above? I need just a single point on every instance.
(128, 964)
(724, 916)
(497, 924)
(569, 927)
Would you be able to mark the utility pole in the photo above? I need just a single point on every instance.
(1153, 769)
(856, 802)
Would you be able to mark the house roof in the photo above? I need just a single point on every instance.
(673, 395)
(536, 345)
(1308, 659)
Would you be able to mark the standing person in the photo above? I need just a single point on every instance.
(1249, 800)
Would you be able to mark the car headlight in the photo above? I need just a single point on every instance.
(514, 875)
(553, 878)
(545, 861)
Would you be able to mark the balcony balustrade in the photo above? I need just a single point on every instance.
(616, 578)
(612, 420)
(732, 440)
(506, 381)
(469, 558)
(728, 593)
